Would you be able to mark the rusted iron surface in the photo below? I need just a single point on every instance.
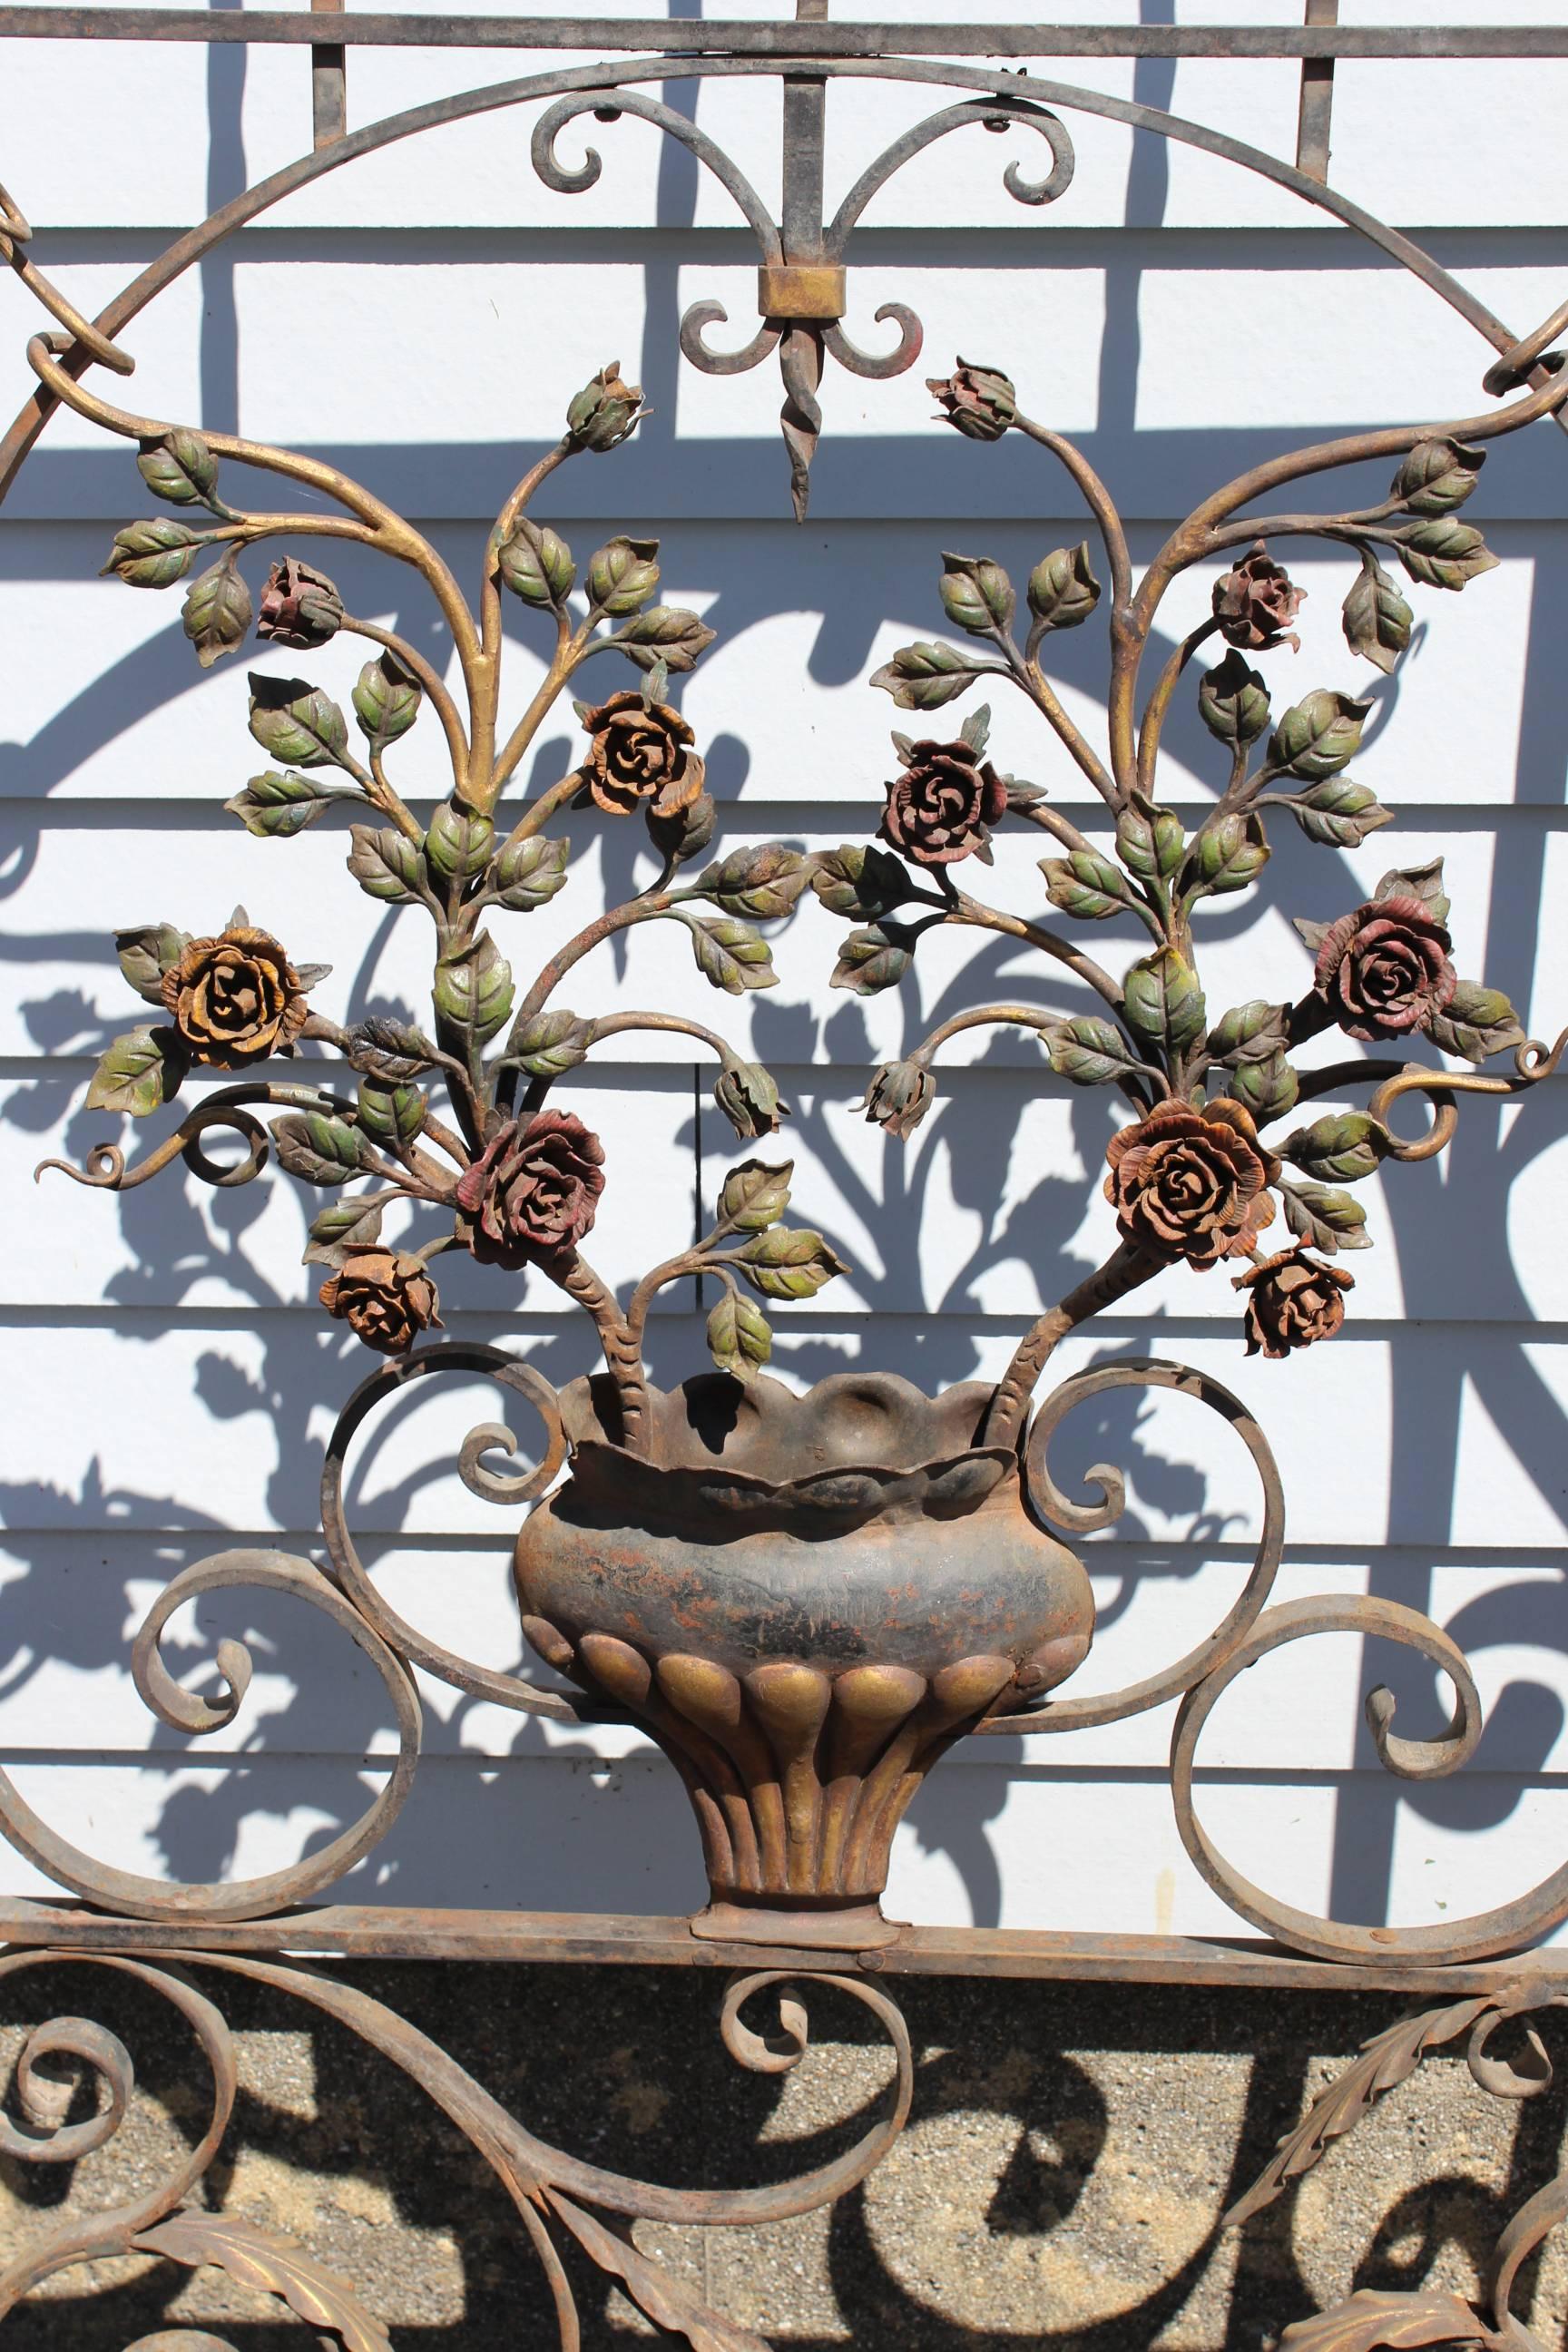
(803, 1600)
(809, 39)
(390, 1931)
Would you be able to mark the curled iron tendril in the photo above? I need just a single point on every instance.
(1504, 1929)
(551, 2190)
(1085, 1518)
(252, 1898)
(490, 1485)
(1533, 1061)
(105, 1169)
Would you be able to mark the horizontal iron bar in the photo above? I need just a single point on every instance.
(374, 1931)
(721, 37)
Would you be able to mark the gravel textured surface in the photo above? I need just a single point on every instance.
(1061, 2183)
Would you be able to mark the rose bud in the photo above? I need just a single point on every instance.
(1384, 971)
(534, 1190)
(1256, 604)
(748, 1100)
(298, 607)
(943, 804)
(605, 411)
(1191, 1182)
(234, 999)
(1292, 1300)
(640, 754)
(899, 1096)
(386, 1300)
(980, 401)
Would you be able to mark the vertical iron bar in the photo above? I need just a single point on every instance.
(805, 123)
(329, 82)
(1317, 99)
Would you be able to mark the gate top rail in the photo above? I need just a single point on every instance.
(805, 37)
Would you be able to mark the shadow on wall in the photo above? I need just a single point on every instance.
(306, 1369)
(1059, 2186)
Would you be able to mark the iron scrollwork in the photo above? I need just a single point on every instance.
(558, 2198)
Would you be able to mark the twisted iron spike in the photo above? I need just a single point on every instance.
(800, 418)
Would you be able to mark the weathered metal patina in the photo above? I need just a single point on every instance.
(804, 1600)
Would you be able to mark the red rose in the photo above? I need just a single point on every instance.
(534, 1190)
(1191, 1180)
(1292, 1300)
(1256, 604)
(1385, 969)
(942, 807)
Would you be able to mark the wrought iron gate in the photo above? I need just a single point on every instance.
(800, 1744)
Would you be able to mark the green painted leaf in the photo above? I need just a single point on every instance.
(146, 953)
(536, 565)
(527, 873)
(1438, 476)
(1443, 553)
(1085, 885)
(275, 806)
(1089, 1051)
(1342, 1148)
(755, 1195)
(340, 1227)
(296, 722)
(787, 1263)
(1339, 812)
(386, 700)
(217, 611)
(1422, 882)
(550, 1044)
(1063, 591)
(1228, 852)
(1330, 1220)
(385, 863)
(1150, 841)
(1319, 735)
(668, 633)
(473, 990)
(862, 881)
(317, 1148)
(179, 468)
(1164, 1005)
(764, 882)
(924, 676)
(151, 554)
(623, 575)
(138, 1072)
(976, 594)
(1249, 1032)
(873, 959)
(1377, 620)
(730, 955)
(390, 1114)
(1233, 701)
(458, 843)
(740, 1337)
(1476, 1023)
(1267, 1085)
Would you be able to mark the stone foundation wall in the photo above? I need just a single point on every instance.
(1060, 2184)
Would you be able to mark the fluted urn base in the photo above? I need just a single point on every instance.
(805, 1600)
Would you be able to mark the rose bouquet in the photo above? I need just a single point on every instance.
(458, 1115)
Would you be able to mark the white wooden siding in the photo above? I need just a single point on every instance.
(422, 318)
